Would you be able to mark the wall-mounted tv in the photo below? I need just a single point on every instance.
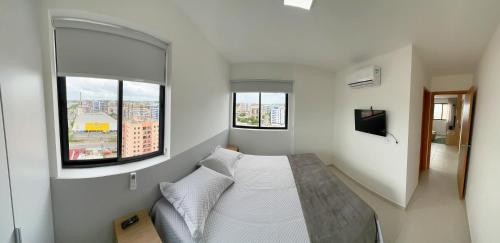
(371, 121)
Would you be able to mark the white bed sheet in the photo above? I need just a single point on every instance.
(261, 206)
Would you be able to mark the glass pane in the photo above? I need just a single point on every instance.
(247, 109)
(92, 118)
(273, 109)
(438, 111)
(140, 119)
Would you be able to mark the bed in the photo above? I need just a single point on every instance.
(279, 199)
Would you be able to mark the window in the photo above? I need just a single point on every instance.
(99, 118)
(260, 110)
(442, 111)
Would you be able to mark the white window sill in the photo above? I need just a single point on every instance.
(82, 173)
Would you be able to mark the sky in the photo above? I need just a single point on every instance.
(106, 89)
(267, 98)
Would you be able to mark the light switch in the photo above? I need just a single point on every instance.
(133, 181)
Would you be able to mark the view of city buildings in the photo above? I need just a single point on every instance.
(140, 129)
(93, 120)
(272, 109)
(92, 134)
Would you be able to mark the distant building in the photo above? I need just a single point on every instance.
(75, 153)
(254, 110)
(243, 108)
(137, 110)
(85, 106)
(277, 116)
(139, 137)
(95, 122)
(155, 112)
(99, 106)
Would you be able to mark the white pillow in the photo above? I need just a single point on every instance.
(222, 160)
(194, 196)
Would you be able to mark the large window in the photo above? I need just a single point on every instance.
(105, 121)
(442, 111)
(260, 110)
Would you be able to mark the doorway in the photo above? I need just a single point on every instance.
(446, 124)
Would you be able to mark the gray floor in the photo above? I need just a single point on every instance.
(435, 213)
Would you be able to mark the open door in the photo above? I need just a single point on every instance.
(465, 137)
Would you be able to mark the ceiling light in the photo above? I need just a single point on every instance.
(305, 4)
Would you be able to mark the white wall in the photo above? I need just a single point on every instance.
(452, 82)
(419, 81)
(310, 112)
(377, 162)
(24, 119)
(482, 193)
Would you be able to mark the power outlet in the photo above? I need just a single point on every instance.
(133, 181)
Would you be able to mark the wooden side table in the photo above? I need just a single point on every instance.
(233, 147)
(140, 232)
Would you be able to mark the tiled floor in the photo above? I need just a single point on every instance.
(435, 213)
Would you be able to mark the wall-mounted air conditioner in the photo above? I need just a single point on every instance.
(366, 77)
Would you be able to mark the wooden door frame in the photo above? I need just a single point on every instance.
(425, 163)
(426, 126)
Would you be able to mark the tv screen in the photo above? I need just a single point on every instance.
(371, 121)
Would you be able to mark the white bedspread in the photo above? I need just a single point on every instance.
(261, 206)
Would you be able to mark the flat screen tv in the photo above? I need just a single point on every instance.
(371, 121)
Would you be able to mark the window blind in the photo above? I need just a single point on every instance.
(90, 49)
(272, 86)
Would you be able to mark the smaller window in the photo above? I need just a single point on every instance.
(259, 110)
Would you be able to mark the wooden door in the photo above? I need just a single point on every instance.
(425, 133)
(465, 137)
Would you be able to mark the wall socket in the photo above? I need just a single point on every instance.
(133, 181)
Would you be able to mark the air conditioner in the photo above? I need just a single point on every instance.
(366, 77)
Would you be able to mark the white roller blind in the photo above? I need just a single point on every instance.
(90, 49)
(276, 86)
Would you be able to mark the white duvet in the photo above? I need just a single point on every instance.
(261, 206)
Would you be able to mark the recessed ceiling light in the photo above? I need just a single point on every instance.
(305, 4)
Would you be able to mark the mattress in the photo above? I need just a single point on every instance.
(261, 206)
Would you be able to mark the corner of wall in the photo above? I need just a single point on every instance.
(419, 79)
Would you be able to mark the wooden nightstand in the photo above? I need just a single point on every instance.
(141, 232)
(232, 147)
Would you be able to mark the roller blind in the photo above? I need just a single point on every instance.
(91, 49)
(284, 86)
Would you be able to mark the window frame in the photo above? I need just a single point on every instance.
(260, 127)
(91, 163)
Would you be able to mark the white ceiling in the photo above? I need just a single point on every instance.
(448, 34)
